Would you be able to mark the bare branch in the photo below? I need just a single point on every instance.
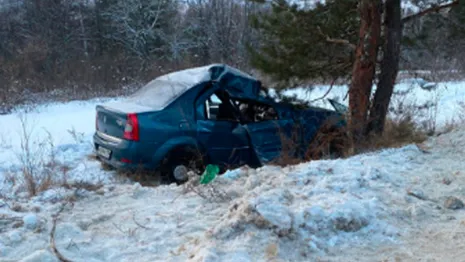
(139, 224)
(52, 236)
(433, 9)
(327, 92)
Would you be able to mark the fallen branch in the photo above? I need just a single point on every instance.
(139, 224)
(130, 232)
(433, 9)
(52, 236)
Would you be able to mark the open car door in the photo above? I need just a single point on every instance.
(220, 131)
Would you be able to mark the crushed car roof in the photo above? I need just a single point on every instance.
(161, 91)
(193, 76)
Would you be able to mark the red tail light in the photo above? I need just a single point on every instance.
(131, 130)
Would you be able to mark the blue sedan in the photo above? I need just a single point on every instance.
(214, 114)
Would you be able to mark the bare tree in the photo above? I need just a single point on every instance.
(220, 29)
(141, 26)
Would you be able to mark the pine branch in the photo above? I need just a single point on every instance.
(337, 41)
(434, 9)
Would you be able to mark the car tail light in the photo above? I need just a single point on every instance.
(131, 129)
(125, 160)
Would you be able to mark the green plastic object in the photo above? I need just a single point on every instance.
(209, 174)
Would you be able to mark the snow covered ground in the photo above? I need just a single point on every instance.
(372, 207)
(60, 132)
(335, 210)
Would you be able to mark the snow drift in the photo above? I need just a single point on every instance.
(290, 214)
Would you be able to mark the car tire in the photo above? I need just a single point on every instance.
(177, 159)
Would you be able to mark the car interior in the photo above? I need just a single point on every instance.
(221, 107)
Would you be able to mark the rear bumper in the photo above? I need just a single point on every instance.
(124, 154)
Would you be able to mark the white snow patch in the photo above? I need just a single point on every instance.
(40, 255)
(277, 215)
(15, 237)
(30, 221)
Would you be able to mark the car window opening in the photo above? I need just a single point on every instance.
(220, 107)
(256, 112)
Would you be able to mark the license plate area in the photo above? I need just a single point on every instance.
(103, 152)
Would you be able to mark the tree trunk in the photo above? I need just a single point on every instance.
(363, 71)
(83, 33)
(389, 66)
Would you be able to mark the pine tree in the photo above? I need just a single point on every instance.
(317, 42)
(306, 44)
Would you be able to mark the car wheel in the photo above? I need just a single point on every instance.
(179, 163)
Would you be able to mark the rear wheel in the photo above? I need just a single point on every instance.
(178, 163)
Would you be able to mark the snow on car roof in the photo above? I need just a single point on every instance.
(161, 91)
(197, 75)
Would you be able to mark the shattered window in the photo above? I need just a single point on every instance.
(256, 112)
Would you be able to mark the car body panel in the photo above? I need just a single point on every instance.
(267, 138)
(226, 142)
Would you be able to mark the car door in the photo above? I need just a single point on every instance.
(268, 131)
(224, 138)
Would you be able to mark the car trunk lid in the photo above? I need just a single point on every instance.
(119, 120)
(110, 122)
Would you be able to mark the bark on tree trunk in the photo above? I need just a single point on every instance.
(363, 71)
(389, 67)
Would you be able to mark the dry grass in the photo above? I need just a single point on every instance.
(209, 192)
(140, 175)
(39, 168)
(271, 251)
(397, 134)
(36, 166)
(330, 143)
(289, 146)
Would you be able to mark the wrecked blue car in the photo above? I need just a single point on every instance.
(208, 115)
